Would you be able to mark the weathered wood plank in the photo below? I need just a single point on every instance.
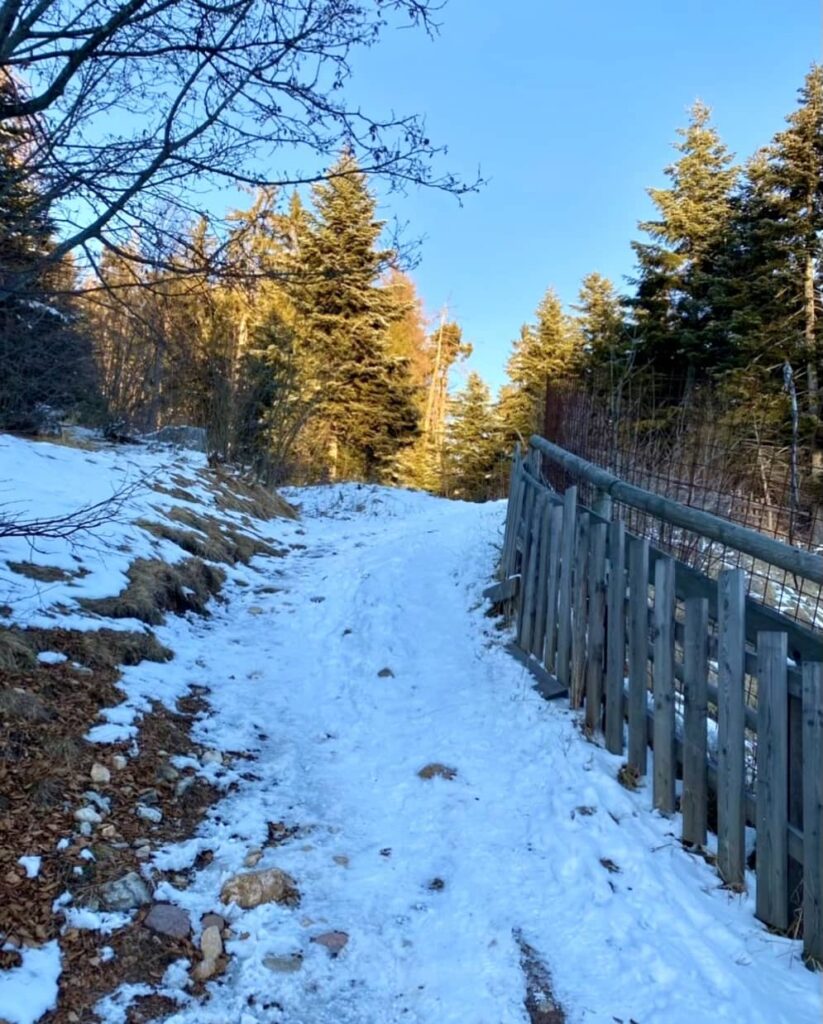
(541, 583)
(695, 715)
(597, 626)
(514, 510)
(555, 537)
(772, 780)
(504, 590)
(813, 810)
(638, 652)
(731, 850)
(665, 763)
(580, 612)
(531, 556)
(564, 624)
(616, 638)
(546, 684)
(521, 563)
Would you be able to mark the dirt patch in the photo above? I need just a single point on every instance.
(156, 587)
(540, 1002)
(437, 770)
(45, 573)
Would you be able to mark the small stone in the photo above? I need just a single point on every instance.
(255, 887)
(284, 964)
(166, 919)
(333, 941)
(153, 814)
(143, 853)
(100, 773)
(167, 773)
(126, 893)
(434, 768)
(385, 673)
(184, 785)
(211, 757)
(88, 815)
(211, 944)
(252, 858)
(341, 859)
(212, 921)
(119, 762)
(205, 969)
(85, 828)
(102, 803)
(108, 832)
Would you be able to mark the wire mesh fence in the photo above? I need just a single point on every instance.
(694, 456)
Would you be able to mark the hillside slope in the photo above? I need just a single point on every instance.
(454, 849)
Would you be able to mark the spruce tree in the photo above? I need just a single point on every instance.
(601, 320)
(366, 409)
(545, 352)
(472, 442)
(679, 332)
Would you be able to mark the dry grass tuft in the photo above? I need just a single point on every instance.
(18, 705)
(208, 538)
(41, 573)
(435, 769)
(178, 493)
(17, 653)
(628, 776)
(156, 588)
(233, 494)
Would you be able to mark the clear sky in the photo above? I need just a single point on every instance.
(570, 107)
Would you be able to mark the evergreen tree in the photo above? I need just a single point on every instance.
(676, 269)
(545, 352)
(472, 443)
(366, 408)
(45, 354)
(601, 321)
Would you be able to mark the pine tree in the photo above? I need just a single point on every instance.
(366, 408)
(472, 443)
(600, 317)
(676, 269)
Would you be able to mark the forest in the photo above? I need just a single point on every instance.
(294, 333)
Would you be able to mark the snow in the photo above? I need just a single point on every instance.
(30, 990)
(32, 865)
(376, 579)
(51, 658)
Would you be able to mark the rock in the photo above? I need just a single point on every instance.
(153, 814)
(119, 762)
(143, 853)
(341, 859)
(167, 772)
(434, 768)
(252, 888)
(184, 785)
(206, 969)
(102, 803)
(333, 941)
(108, 832)
(193, 438)
(85, 828)
(45, 420)
(212, 921)
(284, 964)
(166, 919)
(211, 757)
(126, 893)
(100, 773)
(88, 816)
(211, 944)
(252, 858)
(385, 673)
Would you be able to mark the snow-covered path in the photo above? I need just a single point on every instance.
(390, 580)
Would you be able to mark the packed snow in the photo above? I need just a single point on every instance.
(344, 669)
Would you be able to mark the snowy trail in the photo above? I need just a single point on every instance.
(516, 838)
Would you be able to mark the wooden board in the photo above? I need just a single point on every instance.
(616, 637)
(695, 717)
(638, 652)
(665, 761)
(813, 810)
(731, 850)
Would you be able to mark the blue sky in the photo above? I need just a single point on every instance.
(570, 109)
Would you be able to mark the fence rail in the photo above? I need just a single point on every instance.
(727, 692)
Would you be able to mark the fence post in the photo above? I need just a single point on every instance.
(813, 811)
(663, 731)
(528, 581)
(579, 612)
(555, 537)
(597, 625)
(513, 512)
(638, 652)
(539, 634)
(564, 626)
(731, 650)
(695, 714)
(772, 780)
(616, 640)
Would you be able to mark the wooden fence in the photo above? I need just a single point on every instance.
(726, 692)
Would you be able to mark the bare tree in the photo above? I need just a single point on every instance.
(135, 107)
